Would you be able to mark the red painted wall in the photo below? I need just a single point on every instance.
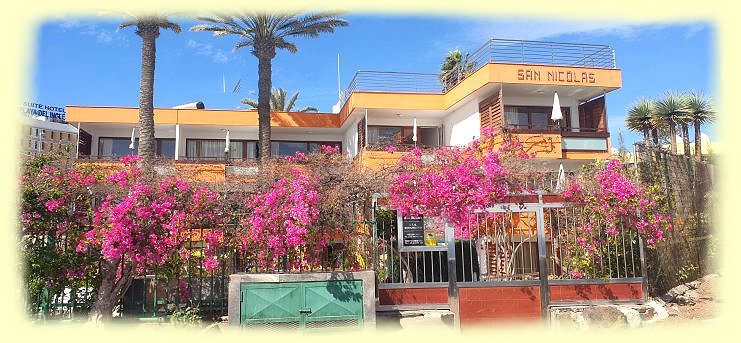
(613, 291)
(413, 296)
(485, 305)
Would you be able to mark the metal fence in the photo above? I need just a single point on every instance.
(494, 50)
(502, 245)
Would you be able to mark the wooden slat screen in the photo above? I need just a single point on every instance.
(361, 134)
(593, 114)
(491, 112)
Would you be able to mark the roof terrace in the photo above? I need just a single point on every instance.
(493, 51)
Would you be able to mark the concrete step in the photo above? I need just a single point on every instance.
(415, 319)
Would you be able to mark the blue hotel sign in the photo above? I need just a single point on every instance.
(33, 109)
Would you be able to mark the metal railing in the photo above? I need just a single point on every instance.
(494, 50)
(502, 246)
(389, 81)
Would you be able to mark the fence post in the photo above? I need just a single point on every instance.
(453, 300)
(545, 292)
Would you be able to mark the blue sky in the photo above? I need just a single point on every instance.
(84, 61)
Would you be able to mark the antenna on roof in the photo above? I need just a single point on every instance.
(339, 92)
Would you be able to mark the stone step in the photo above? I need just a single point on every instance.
(415, 319)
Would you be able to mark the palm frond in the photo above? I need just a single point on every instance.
(291, 102)
(250, 102)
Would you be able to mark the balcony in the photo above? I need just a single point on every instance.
(493, 51)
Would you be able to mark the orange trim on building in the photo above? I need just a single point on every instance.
(130, 115)
(608, 79)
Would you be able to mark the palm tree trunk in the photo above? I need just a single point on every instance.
(698, 142)
(146, 98)
(646, 134)
(264, 84)
(686, 139)
(673, 137)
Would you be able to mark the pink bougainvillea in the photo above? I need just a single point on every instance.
(144, 224)
(452, 182)
(612, 204)
(280, 220)
(615, 200)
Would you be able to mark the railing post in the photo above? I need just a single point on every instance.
(453, 300)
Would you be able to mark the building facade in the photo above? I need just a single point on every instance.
(40, 136)
(505, 86)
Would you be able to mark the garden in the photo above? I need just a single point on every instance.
(90, 239)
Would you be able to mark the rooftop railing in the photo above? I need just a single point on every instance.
(494, 50)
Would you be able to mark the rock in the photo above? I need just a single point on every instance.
(710, 277)
(693, 284)
(667, 298)
(605, 316)
(632, 317)
(659, 312)
(692, 294)
(580, 324)
(679, 290)
(683, 300)
(647, 312)
(672, 310)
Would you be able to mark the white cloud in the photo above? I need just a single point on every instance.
(205, 49)
(537, 29)
(101, 35)
(104, 37)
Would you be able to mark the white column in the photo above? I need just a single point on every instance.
(77, 151)
(177, 141)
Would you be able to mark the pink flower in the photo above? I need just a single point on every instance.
(390, 149)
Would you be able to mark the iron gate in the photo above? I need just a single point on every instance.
(302, 305)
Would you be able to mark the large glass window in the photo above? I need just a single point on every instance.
(289, 148)
(213, 149)
(533, 118)
(115, 147)
(166, 148)
(119, 146)
(402, 135)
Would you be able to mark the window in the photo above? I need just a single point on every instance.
(213, 149)
(289, 148)
(402, 135)
(119, 146)
(115, 147)
(533, 118)
(165, 148)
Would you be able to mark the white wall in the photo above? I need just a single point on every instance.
(350, 139)
(462, 125)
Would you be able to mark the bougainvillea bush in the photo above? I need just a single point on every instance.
(613, 207)
(452, 182)
(54, 214)
(141, 225)
(301, 214)
(312, 200)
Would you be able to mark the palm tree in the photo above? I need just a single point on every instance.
(265, 33)
(113, 286)
(670, 110)
(148, 28)
(641, 119)
(701, 112)
(454, 68)
(278, 102)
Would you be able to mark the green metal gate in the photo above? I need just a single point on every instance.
(302, 305)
